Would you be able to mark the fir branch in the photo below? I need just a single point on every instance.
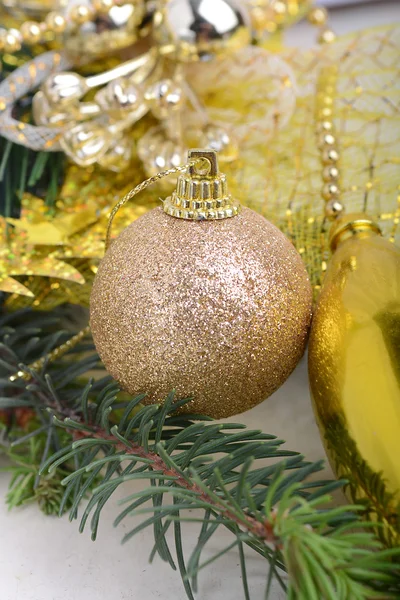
(93, 440)
(27, 484)
(24, 337)
(23, 170)
(160, 463)
(324, 550)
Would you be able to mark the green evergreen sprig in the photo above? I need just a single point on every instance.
(23, 170)
(97, 441)
(365, 486)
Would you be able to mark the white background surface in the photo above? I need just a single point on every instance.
(43, 558)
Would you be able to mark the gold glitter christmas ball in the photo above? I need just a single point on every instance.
(218, 309)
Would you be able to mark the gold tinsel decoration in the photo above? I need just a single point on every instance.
(281, 169)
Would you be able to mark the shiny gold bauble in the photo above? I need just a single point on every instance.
(318, 16)
(158, 153)
(201, 29)
(327, 36)
(108, 33)
(33, 8)
(103, 6)
(217, 309)
(56, 22)
(11, 40)
(268, 16)
(354, 366)
(81, 13)
(164, 98)
(31, 32)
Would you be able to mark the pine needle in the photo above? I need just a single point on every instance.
(80, 434)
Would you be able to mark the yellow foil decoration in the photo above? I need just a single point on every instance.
(354, 367)
(20, 257)
(279, 162)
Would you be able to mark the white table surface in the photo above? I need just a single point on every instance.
(43, 558)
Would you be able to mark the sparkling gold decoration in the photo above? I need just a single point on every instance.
(268, 16)
(86, 129)
(354, 359)
(19, 83)
(115, 24)
(31, 32)
(200, 198)
(354, 354)
(224, 30)
(12, 41)
(214, 121)
(260, 108)
(103, 6)
(81, 13)
(172, 101)
(111, 28)
(56, 22)
(44, 229)
(53, 355)
(278, 171)
(34, 8)
(29, 248)
(19, 257)
(62, 88)
(220, 306)
(287, 171)
(327, 36)
(194, 30)
(94, 28)
(67, 121)
(164, 97)
(333, 209)
(318, 16)
(76, 232)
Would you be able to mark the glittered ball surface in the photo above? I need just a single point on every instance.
(217, 310)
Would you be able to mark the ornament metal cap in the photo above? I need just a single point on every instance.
(201, 194)
(350, 225)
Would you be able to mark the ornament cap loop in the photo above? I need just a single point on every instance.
(201, 193)
(203, 163)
